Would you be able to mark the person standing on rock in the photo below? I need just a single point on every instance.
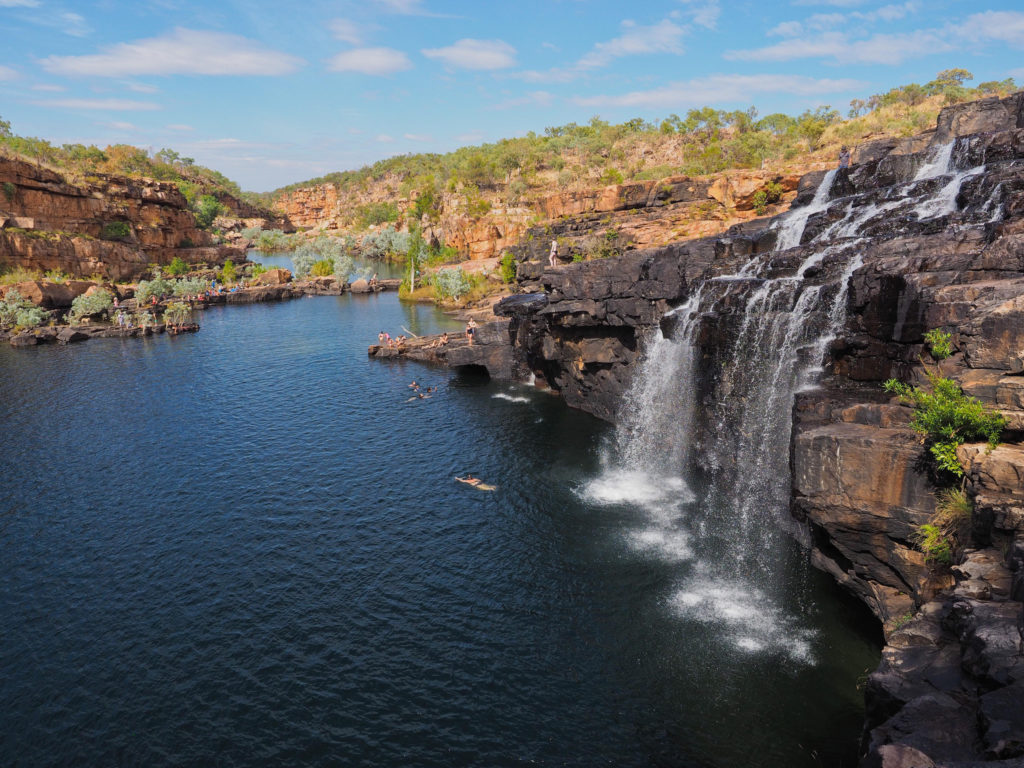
(553, 255)
(471, 330)
(844, 157)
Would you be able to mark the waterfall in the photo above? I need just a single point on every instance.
(702, 444)
(938, 164)
(792, 229)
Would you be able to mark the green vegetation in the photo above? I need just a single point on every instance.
(256, 270)
(271, 240)
(177, 267)
(508, 268)
(377, 213)
(228, 273)
(770, 193)
(190, 286)
(936, 547)
(158, 286)
(177, 313)
(940, 344)
(18, 312)
(451, 284)
(116, 230)
(948, 418)
(206, 209)
(89, 306)
(9, 190)
(322, 256)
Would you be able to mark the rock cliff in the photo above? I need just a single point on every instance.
(919, 234)
(109, 225)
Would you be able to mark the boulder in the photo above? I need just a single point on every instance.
(274, 277)
(360, 286)
(24, 339)
(50, 295)
(70, 335)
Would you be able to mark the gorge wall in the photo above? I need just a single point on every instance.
(49, 223)
(919, 234)
(639, 214)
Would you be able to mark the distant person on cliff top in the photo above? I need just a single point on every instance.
(553, 255)
(844, 157)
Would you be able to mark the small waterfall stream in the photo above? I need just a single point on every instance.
(703, 440)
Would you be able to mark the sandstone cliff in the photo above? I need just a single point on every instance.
(113, 226)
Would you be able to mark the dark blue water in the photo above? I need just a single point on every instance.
(244, 547)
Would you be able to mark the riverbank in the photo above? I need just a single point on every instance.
(254, 294)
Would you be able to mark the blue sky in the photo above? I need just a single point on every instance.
(273, 93)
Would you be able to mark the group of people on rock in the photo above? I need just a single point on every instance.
(385, 340)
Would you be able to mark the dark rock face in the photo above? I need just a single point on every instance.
(936, 224)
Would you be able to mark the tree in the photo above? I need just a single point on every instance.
(207, 209)
(5, 128)
(948, 78)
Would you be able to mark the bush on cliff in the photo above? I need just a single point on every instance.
(190, 286)
(508, 268)
(177, 267)
(158, 287)
(948, 418)
(451, 284)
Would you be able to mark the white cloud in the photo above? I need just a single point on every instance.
(722, 89)
(786, 29)
(383, 138)
(19, 3)
(417, 137)
(114, 105)
(49, 88)
(6, 73)
(180, 52)
(470, 138)
(370, 61)
(179, 127)
(1003, 26)
(72, 24)
(836, 3)
(704, 13)
(120, 126)
(877, 49)
(141, 87)
(475, 54)
(346, 30)
(663, 37)
(408, 7)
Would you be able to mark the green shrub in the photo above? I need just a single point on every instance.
(15, 310)
(177, 267)
(158, 287)
(770, 193)
(177, 313)
(9, 190)
(190, 286)
(947, 418)
(256, 270)
(323, 268)
(953, 512)
(206, 209)
(451, 283)
(386, 244)
(611, 176)
(116, 230)
(508, 268)
(936, 547)
(87, 306)
(377, 213)
(940, 345)
(228, 273)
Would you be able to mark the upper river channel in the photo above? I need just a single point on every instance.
(245, 547)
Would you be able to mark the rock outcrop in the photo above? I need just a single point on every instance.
(920, 234)
(109, 225)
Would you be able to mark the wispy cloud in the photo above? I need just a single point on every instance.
(179, 127)
(475, 54)
(180, 52)
(112, 105)
(347, 31)
(6, 73)
(118, 125)
(19, 3)
(703, 13)
(49, 88)
(370, 61)
(383, 138)
(722, 89)
(1002, 26)
(663, 37)
(421, 137)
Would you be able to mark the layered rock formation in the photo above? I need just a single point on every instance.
(109, 225)
(924, 233)
(637, 214)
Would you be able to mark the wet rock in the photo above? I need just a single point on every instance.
(24, 339)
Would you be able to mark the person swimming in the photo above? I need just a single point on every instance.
(469, 479)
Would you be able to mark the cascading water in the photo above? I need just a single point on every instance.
(703, 440)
